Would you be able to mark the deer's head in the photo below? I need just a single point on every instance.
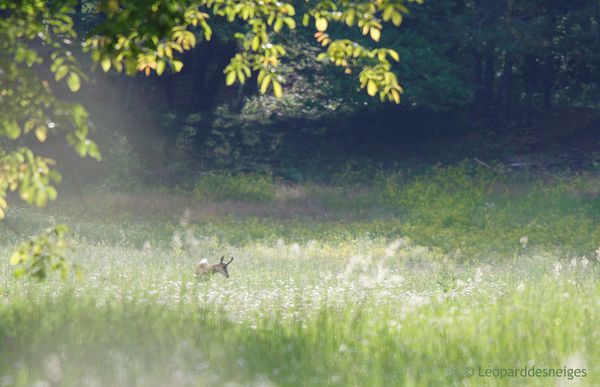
(221, 267)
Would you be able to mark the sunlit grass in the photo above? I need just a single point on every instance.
(373, 313)
(417, 282)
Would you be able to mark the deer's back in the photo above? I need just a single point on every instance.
(203, 267)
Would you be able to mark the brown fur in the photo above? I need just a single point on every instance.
(204, 269)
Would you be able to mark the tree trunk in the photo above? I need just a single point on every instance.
(506, 89)
(547, 84)
(530, 71)
(488, 75)
(78, 19)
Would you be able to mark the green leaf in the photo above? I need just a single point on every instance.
(388, 12)
(230, 79)
(12, 129)
(130, 66)
(26, 192)
(96, 54)
(321, 24)
(61, 72)
(396, 96)
(264, 85)
(350, 19)
(41, 133)
(278, 25)
(290, 22)
(371, 88)
(207, 30)
(277, 90)
(255, 43)
(160, 67)
(73, 82)
(177, 65)
(105, 63)
(241, 76)
(93, 151)
(246, 70)
(41, 198)
(81, 148)
(117, 65)
(375, 34)
(305, 20)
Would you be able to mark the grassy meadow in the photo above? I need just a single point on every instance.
(456, 275)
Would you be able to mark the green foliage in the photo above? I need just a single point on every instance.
(444, 196)
(355, 173)
(35, 34)
(145, 36)
(30, 174)
(42, 255)
(509, 59)
(245, 187)
(471, 210)
(433, 77)
(249, 140)
(27, 103)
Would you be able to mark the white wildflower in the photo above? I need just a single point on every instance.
(557, 269)
(478, 275)
(584, 262)
(523, 241)
(391, 249)
(147, 246)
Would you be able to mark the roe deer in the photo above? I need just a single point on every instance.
(204, 269)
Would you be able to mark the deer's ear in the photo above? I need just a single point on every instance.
(222, 258)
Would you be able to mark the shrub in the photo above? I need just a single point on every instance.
(457, 189)
(247, 187)
(349, 174)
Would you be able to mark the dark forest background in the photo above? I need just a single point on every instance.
(515, 81)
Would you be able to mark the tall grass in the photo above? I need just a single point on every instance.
(251, 187)
(404, 280)
(299, 315)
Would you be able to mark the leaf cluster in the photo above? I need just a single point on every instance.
(42, 254)
(147, 36)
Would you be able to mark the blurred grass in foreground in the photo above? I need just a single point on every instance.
(406, 280)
